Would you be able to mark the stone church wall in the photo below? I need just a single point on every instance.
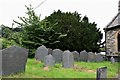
(112, 41)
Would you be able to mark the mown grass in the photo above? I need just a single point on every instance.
(35, 69)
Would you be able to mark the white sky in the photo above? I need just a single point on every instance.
(99, 11)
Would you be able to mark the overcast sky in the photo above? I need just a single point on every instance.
(99, 11)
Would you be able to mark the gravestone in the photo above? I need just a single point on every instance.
(68, 59)
(49, 60)
(112, 60)
(57, 54)
(76, 55)
(13, 60)
(101, 73)
(40, 53)
(50, 51)
(91, 57)
(98, 58)
(83, 56)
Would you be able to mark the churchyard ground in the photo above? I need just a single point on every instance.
(35, 69)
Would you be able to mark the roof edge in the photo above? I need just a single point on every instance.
(111, 22)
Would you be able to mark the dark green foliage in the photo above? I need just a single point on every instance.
(36, 33)
(5, 43)
(63, 30)
(7, 36)
(6, 32)
(81, 34)
(10, 36)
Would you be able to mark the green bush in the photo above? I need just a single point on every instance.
(6, 43)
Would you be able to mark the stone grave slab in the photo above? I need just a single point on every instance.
(50, 51)
(40, 53)
(49, 60)
(101, 73)
(99, 58)
(57, 54)
(91, 57)
(76, 56)
(68, 59)
(13, 60)
(112, 60)
(83, 56)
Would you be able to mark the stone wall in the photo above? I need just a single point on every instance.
(112, 41)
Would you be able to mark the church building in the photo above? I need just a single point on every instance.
(112, 35)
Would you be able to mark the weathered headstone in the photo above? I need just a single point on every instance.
(49, 60)
(68, 59)
(91, 57)
(112, 60)
(76, 55)
(13, 60)
(50, 51)
(40, 53)
(57, 54)
(83, 56)
(99, 58)
(101, 73)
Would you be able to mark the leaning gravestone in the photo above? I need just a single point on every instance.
(76, 55)
(13, 60)
(49, 60)
(102, 73)
(57, 54)
(91, 57)
(68, 59)
(83, 56)
(99, 58)
(40, 53)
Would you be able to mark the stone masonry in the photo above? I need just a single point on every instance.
(112, 41)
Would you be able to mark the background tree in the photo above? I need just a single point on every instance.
(81, 34)
(63, 30)
(7, 36)
(36, 32)
(6, 32)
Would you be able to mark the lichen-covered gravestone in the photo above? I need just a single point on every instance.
(49, 60)
(13, 60)
(57, 54)
(83, 56)
(76, 55)
(40, 53)
(91, 57)
(68, 59)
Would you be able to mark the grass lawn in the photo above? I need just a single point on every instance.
(35, 69)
